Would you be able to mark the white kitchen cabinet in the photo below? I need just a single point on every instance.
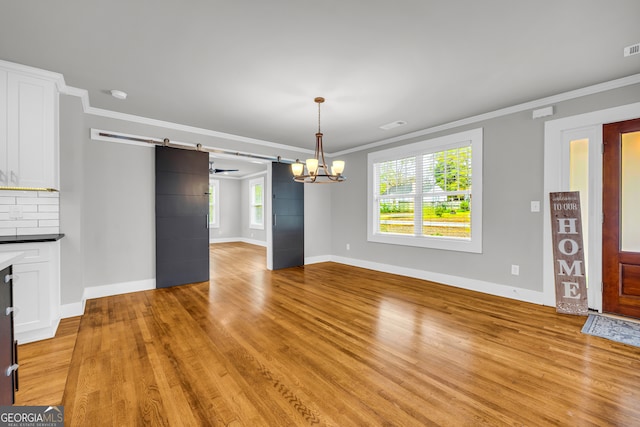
(4, 164)
(36, 290)
(28, 130)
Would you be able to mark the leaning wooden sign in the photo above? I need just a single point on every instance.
(568, 253)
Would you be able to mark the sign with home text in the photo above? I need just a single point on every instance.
(568, 253)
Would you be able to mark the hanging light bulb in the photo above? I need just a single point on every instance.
(297, 168)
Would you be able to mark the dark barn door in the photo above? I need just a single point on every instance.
(287, 223)
(182, 206)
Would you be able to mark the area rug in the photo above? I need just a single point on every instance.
(613, 328)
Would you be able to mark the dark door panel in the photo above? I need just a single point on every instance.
(290, 207)
(175, 272)
(184, 249)
(289, 227)
(171, 228)
(287, 218)
(185, 205)
(182, 205)
(287, 258)
(284, 185)
(182, 183)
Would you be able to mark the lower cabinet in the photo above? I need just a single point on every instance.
(8, 344)
(36, 290)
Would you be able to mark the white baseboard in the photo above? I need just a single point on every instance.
(118, 288)
(490, 288)
(72, 310)
(77, 308)
(238, 239)
(318, 259)
(37, 334)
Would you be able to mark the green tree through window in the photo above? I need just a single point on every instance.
(452, 171)
(422, 193)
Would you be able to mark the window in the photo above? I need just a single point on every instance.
(214, 203)
(428, 194)
(256, 203)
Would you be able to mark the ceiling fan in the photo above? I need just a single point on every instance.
(213, 170)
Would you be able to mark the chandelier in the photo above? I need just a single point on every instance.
(317, 170)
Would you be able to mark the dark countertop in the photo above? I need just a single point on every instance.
(36, 238)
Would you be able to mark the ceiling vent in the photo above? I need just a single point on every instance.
(632, 50)
(392, 125)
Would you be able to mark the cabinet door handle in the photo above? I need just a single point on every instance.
(8, 278)
(15, 360)
(11, 369)
(10, 310)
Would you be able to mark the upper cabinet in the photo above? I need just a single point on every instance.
(28, 131)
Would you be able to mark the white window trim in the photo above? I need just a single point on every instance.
(216, 204)
(474, 244)
(252, 224)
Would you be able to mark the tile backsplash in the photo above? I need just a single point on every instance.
(29, 212)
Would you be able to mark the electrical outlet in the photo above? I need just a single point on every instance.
(515, 270)
(535, 206)
(348, 246)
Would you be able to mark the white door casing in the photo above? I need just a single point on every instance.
(558, 134)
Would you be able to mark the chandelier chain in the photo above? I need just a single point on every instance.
(318, 117)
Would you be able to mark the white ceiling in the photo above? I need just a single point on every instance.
(253, 68)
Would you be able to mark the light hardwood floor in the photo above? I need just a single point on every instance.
(330, 344)
(44, 366)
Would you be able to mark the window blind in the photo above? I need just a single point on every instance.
(427, 194)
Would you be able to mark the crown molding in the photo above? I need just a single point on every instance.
(88, 109)
(542, 102)
(27, 70)
(538, 103)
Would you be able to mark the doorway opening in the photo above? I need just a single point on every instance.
(257, 203)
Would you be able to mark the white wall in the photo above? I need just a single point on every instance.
(71, 199)
(118, 212)
(107, 205)
(234, 213)
(513, 177)
(319, 215)
(229, 221)
(107, 208)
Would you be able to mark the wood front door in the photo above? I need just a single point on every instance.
(621, 225)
